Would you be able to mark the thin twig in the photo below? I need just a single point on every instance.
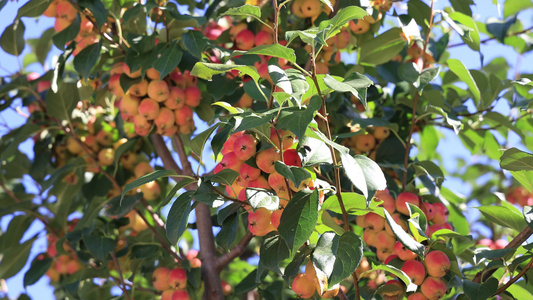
(493, 37)
(122, 284)
(514, 279)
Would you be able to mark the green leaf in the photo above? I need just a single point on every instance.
(364, 174)
(275, 50)
(382, 48)
(273, 250)
(99, 246)
(337, 255)
(297, 121)
(457, 67)
(228, 231)
(87, 59)
(178, 217)
(354, 204)
(516, 160)
(470, 33)
(37, 269)
(17, 256)
(419, 11)
(262, 198)
(243, 11)
(10, 146)
(450, 118)
(411, 287)
(354, 83)
(199, 141)
(342, 17)
(147, 178)
(292, 173)
(279, 77)
(403, 237)
(298, 219)
(410, 73)
(168, 58)
(12, 40)
(145, 250)
(511, 7)
(33, 9)
(97, 8)
(68, 34)
(118, 207)
(528, 215)
(476, 291)
(195, 42)
(525, 178)
(61, 104)
(207, 70)
(504, 217)
(316, 152)
(499, 28)
(226, 177)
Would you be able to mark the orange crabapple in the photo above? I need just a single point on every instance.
(433, 288)
(403, 199)
(149, 108)
(193, 96)
(437, 263)
(183, 116)
(266, 159)
(441, 213)
(160, 278)
(245, 147)
(259, 222)
(244, 40)
(303, 286)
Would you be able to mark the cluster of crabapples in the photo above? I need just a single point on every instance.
(425, 272)
(171, 282)
(367, 142)
(257, 170)
(65, 13)
(96, 142)
(65, 263)
(519, 195)
(306, 284)
(166, 103)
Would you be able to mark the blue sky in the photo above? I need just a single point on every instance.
(448, 147)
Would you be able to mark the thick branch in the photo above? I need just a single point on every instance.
(515, 243)
(238, 250)
(213, 288)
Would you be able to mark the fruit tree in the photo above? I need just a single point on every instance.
(267, 150)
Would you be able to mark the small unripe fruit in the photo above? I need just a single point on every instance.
(381, 133)
(106, 156)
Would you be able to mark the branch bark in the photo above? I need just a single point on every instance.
(481, 276)
(238, 250)
(210, 275)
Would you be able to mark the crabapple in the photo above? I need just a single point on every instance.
(183, 116)
(129, 105)
(51, 10)
(192, 257)
(397, 293)
(433, 228)
(441, 213)
(65, 10)
(415, 270)
(381, 133)
(311, 8)
(398, 220)
(142, 168)
(303, 286)
(193, 96)
(236, 29)
(384, 241)
(139, 89)
(244, 40)
(151, 190)
(286, 136)
(388, 201)
(403, 199)
(369, 237)
(263, 37)
(277, 182)
(165, 118)
(114, 85)
(249, 173)
(437, 263)
(160, 278)
(433, 288)
(291, 158)
(261, 183)
(176, 98)
(177, 278)
(106, 156)
(158, 90)
(259, 222)
(153, 74)
(428, 209)
(265, 160)
(142, 125)
(228, 144)
(149, 108)
(360, 27)
(374, 221)
(364, 142)
(231, 161)
(403, 253)
(275, 218)
(245, 147)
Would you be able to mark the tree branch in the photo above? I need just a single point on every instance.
(213, 287)
(481, 276)
(238, 250)
(514, 279)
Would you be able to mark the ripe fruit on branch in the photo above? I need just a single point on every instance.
(259, 222)
(404, 253)
(437, 263)
(433, 288)
(245, 147)
(403, 199)
(160, 278)
(415, 270)
(441, 213)
(177, 278)
(303, 286)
